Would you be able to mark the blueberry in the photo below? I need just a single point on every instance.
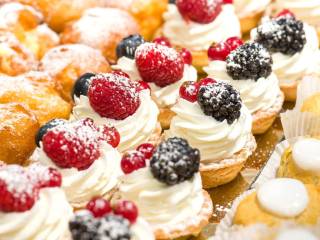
(172, 1)
(127, 47)
(82, 85)
(44, 129)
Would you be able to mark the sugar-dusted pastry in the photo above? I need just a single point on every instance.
(18, 128)
(294, 48)
(166, 187)
(37, 91)
(164, 68)
(32, 204)
(212, 117)
(195, 25)
(103, 220)
(115, 99)
(85, 154)
(101, 28)
(248, 68)
(279, 200)
(66, 63)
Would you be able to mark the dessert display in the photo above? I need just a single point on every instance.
(166, 187)
(195, 25)
(292, 43)
(101, 28)
(158, 64)
(84, 153)
(248, 67)
(113, 98)
(212, 117)
(32, 204)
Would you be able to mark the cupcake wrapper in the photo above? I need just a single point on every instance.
(309, 86)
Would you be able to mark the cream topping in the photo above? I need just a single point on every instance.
(284, 197)
(134, 130)
(99, 179)
(256, 95)
(160, 204)
(296, 234)
(47, 219)
(215, 140)
(141, 230)
(199, 37)
(245, 8)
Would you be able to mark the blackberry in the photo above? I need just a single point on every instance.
(249, 61)
(81, 86)
(114, 227)
(128, 46)
(220, 101)
(83, 226)
(174, 161)
(283, 34)
(46, 127)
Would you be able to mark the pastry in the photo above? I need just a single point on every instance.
(167, 190)
(66, 63)
(161, 66)
(85, 155)
(292, 44)
(279, 200)
(36, 90)
(18, 128)
(32, 204)
(189, 24)
(147, 13)
(114, 99)
(251, 75)
(212, 117)
(101, 28)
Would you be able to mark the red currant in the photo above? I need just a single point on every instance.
(162, 41)
(111, 135)
(189, 91)
(127, 209)
(55, 178)
(120, 73)
(99, 207)
(186, 55)
(132, 161)
(146, 149)
(234, 42)
(220, 51)
(206, 81)
(286, 13)
(142, 85)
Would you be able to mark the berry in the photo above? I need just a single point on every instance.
(220, 101)
(174, 161)
(111, 135)
(228, 1)
(219, 51)
(172, 1)
(142, 85)
(283, 34)
(81, 85)
(54, 180)
(159, 64)
(46, 127)
(120, 73)
(286, 13)
(234, 43)
(99, 207)
(72, 145)
(162, 41)
(146, 149)
(113, 227)
(127, 209)
(189, 91)
(43, 176)
(132, 161)
(113, 96)
(127, 47)
(200, 11)
(186, 55)
(249, 61)
(83, 226)
(206, 81)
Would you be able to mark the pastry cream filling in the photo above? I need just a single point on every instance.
(196, 36)
(160, 204)
(256, 95)
(134, 130)
(163, 96)
(100, 178)
(215, 140)
(47, 219)
(283, 197)
(246, 8)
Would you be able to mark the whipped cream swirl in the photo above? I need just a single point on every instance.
(246, 8)
(47, 219)
(196, 36)
(134, 130)
(256, 95)
(141, 230)
(215, 140)
(163, 96)
(160, 204)
(99, 179)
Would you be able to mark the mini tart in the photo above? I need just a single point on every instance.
(311, 104)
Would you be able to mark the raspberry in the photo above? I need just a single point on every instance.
(159, 64)
(72, 145)
(228, 1)
(186, 55)
(206, 81)
(146, 149)
(162, 41)
(219, 51)
(120, 73)
(142, 85)
(111, 135)
(99, 207)
(113, 96)
(44, 128)
(132, 161)
(286, 13)
(127, 209)
(234, 43)
(200, 11)
(189, 91)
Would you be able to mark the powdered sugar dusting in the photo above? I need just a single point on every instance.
(166, 52)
